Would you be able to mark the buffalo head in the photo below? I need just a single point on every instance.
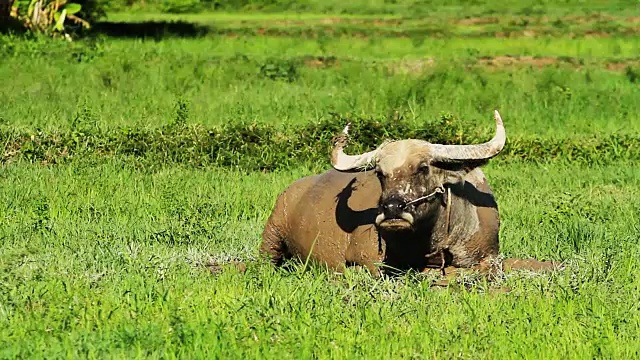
(412, 173)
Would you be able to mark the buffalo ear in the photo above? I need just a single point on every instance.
(455, 171)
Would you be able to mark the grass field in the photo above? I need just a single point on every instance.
(127, 167)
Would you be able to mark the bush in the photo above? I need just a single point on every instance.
(57, 16)
(265, 147)
(276, 69)
(180, 6)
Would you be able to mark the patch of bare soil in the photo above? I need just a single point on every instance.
(415, 66)
(386, 22)
(530, 265)
(596, 34)
(532, 33)
(321, 61)
(502, 61)
(476, 21)
(376, 31)
(335, 20)
(375, 22)
(216, 267)
(620, 66)
(540, 62)
(324, 21)
(587, 19)
(526, 22)
(419, 66)
(571, 19)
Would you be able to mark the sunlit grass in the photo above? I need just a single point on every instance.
(138, 83)
(105, 259)
(106, 256)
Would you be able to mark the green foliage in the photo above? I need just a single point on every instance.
(128, 252)
(633, 74)
(135, 172)
(182, 115)
(181, 6)
(83, 121)
(409, 8)
(264, 147)
(275, 69)
(47, 16)
(132, 83)
(57, 16)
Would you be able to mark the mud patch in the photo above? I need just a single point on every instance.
(419, 66)
(622, 66)
(491, 270)
(498, 62)
(218, 266)
(324, 21)
(321, 61)
(476, 21)
(413, 66)
(530, 265)
(513, 20)
(366, 32)
(502, 61)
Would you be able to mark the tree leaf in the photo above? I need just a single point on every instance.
(32, 5)
(60, 22)
(72, 8)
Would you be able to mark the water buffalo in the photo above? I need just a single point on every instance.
(422, 206)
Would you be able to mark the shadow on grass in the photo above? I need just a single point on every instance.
(11, 26)
(157, 30)
(149, 29)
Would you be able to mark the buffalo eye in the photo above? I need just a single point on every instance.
(423, 168)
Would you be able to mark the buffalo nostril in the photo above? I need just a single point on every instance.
(392, 208)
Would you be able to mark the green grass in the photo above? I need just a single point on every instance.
(134, 83)
(432, 25)
(105, 260)
(235, 17)
(266, 148)
(128, 164)
(412, 8)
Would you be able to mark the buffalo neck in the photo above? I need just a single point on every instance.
(407, 249)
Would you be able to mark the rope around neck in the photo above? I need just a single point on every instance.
(443, 260)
